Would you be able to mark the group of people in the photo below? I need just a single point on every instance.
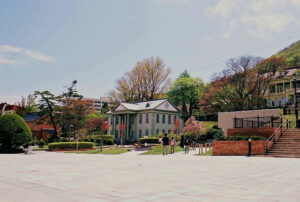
(185, 143)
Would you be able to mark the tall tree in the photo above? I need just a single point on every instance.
(240, 86)
(185, 92)
(71, 101)
(148, 80)
(48, 106)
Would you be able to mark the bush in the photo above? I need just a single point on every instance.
(170, 136)
(14, 132)
(64, 140)
(71, 145)
(41, 143)
(212, 132)
(149, 140)
(107, 139)
(242, 138)
(215, 127)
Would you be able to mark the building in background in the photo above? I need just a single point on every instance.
(96, 104)
(40, 126)
(7, 108)
(143, 119)
(281, 90)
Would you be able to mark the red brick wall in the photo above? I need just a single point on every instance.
(233, 148)
(266, 132)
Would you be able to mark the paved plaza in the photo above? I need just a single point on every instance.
(50, 176)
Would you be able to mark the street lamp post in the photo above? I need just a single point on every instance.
(296, 108)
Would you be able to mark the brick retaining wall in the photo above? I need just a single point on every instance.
(265, 132)
(232, 148)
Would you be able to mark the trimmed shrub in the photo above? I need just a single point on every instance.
(212, 132)
(71, 145)
(107, 139)
(242, 138)
(41, 143)
(14, 132)
(170, 136)
(149, 140)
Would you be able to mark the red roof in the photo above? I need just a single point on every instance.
(8, 107)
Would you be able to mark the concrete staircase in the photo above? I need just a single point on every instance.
(288, 145)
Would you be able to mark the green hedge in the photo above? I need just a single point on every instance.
(71, 145)
(107, 139)
(170, 136)
(240, 138)
(149, 140)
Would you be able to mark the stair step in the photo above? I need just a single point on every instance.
(284, 156)
(283, 152)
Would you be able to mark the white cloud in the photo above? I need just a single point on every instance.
(259, 18)
(223, 8)
(7, 61)
(38, 56)
(12, 55)
(265, 23)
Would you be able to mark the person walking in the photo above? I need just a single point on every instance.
(187, 144)
(165, 141)
(173, 143)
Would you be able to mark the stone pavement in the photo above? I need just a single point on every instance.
(50, 176)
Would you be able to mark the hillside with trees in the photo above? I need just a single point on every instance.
(291, 54)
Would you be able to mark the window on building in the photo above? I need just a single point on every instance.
(117, 120)
(163, 131)
(111, 120)
(157, 131)
(169, 119)
(287, 86)
(147, 132)
(157, 118)
(117, 134)
(169, 131)
(141, 118)
(163, 118)
(279, 87)
(147, 118)
(140, 133)
(175, 117)
(272, 89)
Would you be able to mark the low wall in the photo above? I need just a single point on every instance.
(265, 132)
(233, 148)
(225, 119)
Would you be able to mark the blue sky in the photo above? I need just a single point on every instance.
(47, 44)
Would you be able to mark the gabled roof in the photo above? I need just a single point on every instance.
(143, 105)
(139, 106)
(31, 117)
(6, 107)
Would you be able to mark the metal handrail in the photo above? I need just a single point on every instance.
(278, 132)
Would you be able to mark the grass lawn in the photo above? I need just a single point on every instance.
(104, 151)
(209, 124)
(157, 150)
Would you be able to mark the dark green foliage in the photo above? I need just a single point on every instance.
(241, 138)
(107, 139)
(170, 136)
(149, 140)
(210, 133)
(215, 126)
(14, 132)
(71, 145)
(41, 143)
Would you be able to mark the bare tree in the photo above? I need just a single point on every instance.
(148, 80)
